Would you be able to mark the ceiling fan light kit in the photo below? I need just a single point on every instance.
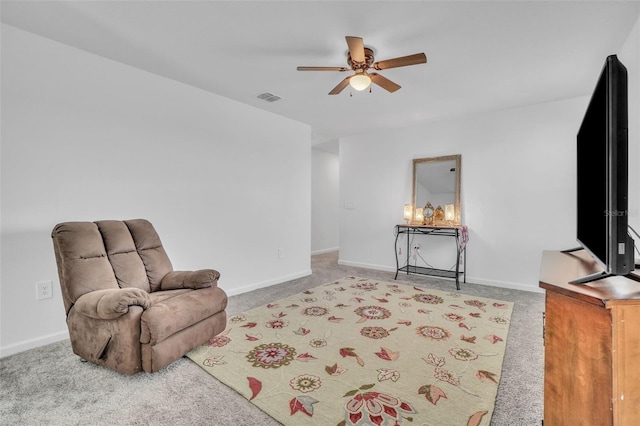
(360, 59)
(360, 81)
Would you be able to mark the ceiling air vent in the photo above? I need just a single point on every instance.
(269, 97)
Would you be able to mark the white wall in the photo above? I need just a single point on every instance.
(325, 200)
(518, 183)
(85, 138)
(518, 189)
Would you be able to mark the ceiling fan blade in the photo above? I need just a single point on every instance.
(356, 48)
(323, 69)
(384, 82)
(418, 58)
(340, 87)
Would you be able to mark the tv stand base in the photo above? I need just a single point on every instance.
(571, 250)
(593, 277)
(597, 275)
(633, 276)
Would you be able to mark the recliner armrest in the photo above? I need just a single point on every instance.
(190, 279)
(111, 303)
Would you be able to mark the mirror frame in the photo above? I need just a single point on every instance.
(458, 159)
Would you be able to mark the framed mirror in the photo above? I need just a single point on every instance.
(436, 184)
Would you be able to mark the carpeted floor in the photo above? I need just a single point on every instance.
(50, 386)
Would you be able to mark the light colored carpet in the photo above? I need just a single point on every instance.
(365, 352)
(50, 386)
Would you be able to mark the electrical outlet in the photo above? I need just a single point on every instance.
(417, 246)
(280, 253)
(44, 290)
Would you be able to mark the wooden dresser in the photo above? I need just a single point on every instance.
(592, 344)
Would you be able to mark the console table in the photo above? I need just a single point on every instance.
(455, 232)
(592, 344)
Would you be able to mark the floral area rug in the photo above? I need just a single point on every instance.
(365, 352)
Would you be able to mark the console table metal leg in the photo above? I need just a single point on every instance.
(457, 260)
(396, 255)
(464, 265)
(408, 252)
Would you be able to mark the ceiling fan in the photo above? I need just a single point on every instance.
(360, 60)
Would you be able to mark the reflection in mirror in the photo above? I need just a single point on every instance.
(436, 183)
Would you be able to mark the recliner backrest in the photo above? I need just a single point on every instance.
(108, 254)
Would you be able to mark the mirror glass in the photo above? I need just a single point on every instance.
(436, 181)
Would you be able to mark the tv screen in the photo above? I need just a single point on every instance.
(602, 175)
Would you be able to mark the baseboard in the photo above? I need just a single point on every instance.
(262, 284)
(470, 280)
(506, 284)
(366, 266)
(33, 343)
(327, 250)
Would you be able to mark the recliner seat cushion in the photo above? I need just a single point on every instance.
(159, 296)
(172, 315)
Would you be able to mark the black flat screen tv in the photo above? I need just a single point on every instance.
(602, 175)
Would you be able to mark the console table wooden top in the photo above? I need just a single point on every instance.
(558, 268)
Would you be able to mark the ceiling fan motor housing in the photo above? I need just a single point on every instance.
(361, 66)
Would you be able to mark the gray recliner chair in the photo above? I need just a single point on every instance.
(127, 309)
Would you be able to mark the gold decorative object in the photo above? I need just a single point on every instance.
(419, 215)
(438, 216)
(427, 214)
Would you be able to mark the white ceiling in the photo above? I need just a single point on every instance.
(482, 55)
